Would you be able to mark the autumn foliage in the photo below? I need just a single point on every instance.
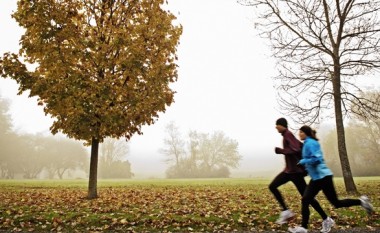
(224, 205)
(99, 68)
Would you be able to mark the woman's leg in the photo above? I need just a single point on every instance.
(279, 180)
(331, 195)
(309, 195)
(300, 183)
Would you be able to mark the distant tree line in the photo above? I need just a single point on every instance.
(363, 147)
(31, 156)
(201, 156)
(28, 156)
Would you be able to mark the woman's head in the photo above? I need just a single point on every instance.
(307, 131)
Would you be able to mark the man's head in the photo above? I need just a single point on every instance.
(281, 124)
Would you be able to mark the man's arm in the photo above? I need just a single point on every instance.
(291, 145)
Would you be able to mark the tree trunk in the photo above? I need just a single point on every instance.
(92, 183)
(60, 174)
(342, 149)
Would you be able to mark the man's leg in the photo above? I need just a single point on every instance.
(279, 180)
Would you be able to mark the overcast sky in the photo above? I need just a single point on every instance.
(224, 84)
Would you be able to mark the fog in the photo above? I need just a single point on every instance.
(224, 84)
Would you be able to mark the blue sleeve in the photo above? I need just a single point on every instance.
(312, 154)
(313, 160)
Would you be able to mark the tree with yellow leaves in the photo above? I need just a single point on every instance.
(100, 68)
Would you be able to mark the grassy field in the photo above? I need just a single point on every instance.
(197, 205)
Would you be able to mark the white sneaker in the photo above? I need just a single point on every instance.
(285, 216)
(327, 224)
(297, 230)
(366, 204)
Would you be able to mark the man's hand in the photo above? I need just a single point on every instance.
(277, 150)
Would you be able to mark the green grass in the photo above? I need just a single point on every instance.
(80, 183)
(162, 205)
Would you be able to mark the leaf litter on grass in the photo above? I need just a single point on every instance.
(162, 208)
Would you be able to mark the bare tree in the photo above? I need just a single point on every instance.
(370, 122)
(174, 149)
(207, 155)
(320, 47)
(113, 162)
(372, 116)
(112, 150)
(218, 150)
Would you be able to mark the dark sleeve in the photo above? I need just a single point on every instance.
(291, 144)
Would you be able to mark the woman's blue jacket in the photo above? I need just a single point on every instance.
(312, 159)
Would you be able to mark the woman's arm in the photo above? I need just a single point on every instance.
(312, 154)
